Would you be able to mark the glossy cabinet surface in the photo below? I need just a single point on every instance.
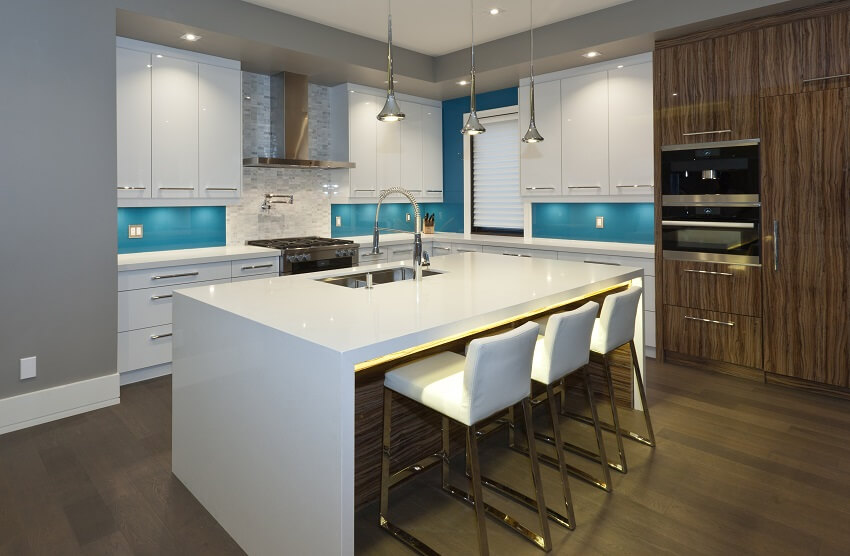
(174, 128)
(630, 133)
(411, 148)
(540, 163)
(133, 103)
(363, 143)
(432, 151)
(584, 134)
(388, 136)
(219, 131)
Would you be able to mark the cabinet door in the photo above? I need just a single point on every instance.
(411, 147)
(432, 151)
(133, 119)
(219, 131)
(630, 144)
(540, 163)
(389, 153)
(804, 196)
(362, 139)
(584, 137)
(175, 128)
(708, 90)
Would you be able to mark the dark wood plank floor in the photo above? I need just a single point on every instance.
(741, 468)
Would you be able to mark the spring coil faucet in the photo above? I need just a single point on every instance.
(417, 235)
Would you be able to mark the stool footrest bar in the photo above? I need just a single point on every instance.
(517, 496)
(631, 435)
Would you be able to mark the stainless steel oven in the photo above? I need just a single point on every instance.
(716, 173)
(712, 233)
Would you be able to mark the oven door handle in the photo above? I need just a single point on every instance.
(703, 224)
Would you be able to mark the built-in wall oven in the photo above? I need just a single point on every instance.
(711, 207)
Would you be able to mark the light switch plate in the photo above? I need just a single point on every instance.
(407, 217)
(600, 221)
(338, 221)
(135, 231)
(27, 368)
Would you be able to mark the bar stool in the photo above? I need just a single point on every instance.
(614, 328)
(494, 376)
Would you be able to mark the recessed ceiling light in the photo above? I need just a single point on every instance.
(159, 55)
(620, 66)
(395, 81)
(191, 37)
(463, 82)
(592, 54)
(496, 11)
(150, 65)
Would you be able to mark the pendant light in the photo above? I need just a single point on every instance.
(472, 125)
(532, 135)
(391, 111)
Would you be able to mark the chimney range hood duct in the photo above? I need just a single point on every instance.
(290, 129)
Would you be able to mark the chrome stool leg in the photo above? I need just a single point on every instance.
(650, 441)
(556, 428)
(477, 494)
(615, 414)
(600, 442)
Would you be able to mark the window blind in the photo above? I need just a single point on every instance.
(496, 202)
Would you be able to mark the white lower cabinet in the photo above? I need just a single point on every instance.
(401, 252)
(439, 248)
(514, 252)
(366, 256)
(255, 277)
(467, 248)
(138, 349)
(150, 306)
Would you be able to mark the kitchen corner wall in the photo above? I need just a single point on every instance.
(310, 214)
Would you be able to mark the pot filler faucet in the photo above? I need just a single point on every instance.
(417, 234)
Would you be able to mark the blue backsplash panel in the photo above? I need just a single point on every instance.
(624, 222)
(172, 228)
(359, 220)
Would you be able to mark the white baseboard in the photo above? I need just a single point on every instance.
(50, 404)
(129, 377)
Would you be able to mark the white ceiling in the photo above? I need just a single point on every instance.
(435, 27)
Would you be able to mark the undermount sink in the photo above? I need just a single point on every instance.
(384, 276)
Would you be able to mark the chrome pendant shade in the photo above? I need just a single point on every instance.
(532, 135)
(473, 125)
(391, 111)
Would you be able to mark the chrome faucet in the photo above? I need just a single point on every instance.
(417, 234)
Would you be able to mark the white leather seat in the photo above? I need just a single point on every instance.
(616, 323)
(563, 348)
(492, 377)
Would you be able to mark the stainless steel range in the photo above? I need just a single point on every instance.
(312, 253)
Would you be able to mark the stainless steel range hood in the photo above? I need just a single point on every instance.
(290, 129)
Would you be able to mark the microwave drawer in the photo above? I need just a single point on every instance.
(735, 339)
(726, 288)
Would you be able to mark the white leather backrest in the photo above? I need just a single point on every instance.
(498, 371)
(617, 320)
(566, 343)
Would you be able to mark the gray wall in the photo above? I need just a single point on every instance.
(57, 196)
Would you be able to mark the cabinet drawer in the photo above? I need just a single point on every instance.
(440, 248)
(713, 287)
(149, 307)
(466, 248)
(256, 277)
(253, 267)
(711, 335)
(172, 275)
(138, 349)
(399, 252)
(512, 251)
(648, 265)
(366, 256)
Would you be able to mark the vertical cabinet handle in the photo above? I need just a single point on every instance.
(775, 245)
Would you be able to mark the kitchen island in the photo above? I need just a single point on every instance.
(267, 422)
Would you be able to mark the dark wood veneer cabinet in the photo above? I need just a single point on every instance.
(806, 193)
(716, 287)
(714, 336)
(708, 90)
(805, 55)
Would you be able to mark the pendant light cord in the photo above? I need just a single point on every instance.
(472, 80)
(531, 25)
(389, 47)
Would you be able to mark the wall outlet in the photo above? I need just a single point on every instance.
(135, 231)
(600, 221)
(338, 221)
(27, 368)
(407, 217)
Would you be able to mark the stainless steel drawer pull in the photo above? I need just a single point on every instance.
(709, 321)
(403, 251)
(176, 188)
(364, 191)
(158, 336)
(167, 276)
(516, 255)
(636, 185)
(584, 187)
(256, 266)
(711, 272)
(433, 190)
(703, 224)
(128, 188)
(442, 248)
(540, 188)
(467, 250)
(222, 188)
(691, 134)
(603, 262)
(165, 296)
(826, 78)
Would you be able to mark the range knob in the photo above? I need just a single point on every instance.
(291, 258)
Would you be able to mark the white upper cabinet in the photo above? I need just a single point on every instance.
(630, 130)
(219, 131)
(133, 101)
(584, 140)
(411, 147)
(540, 163)
(363, 141)
(432, 151)
(389, 153)
(175, 128)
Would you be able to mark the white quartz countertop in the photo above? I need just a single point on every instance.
(475, 289)
(154, 259)
(576, 246)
